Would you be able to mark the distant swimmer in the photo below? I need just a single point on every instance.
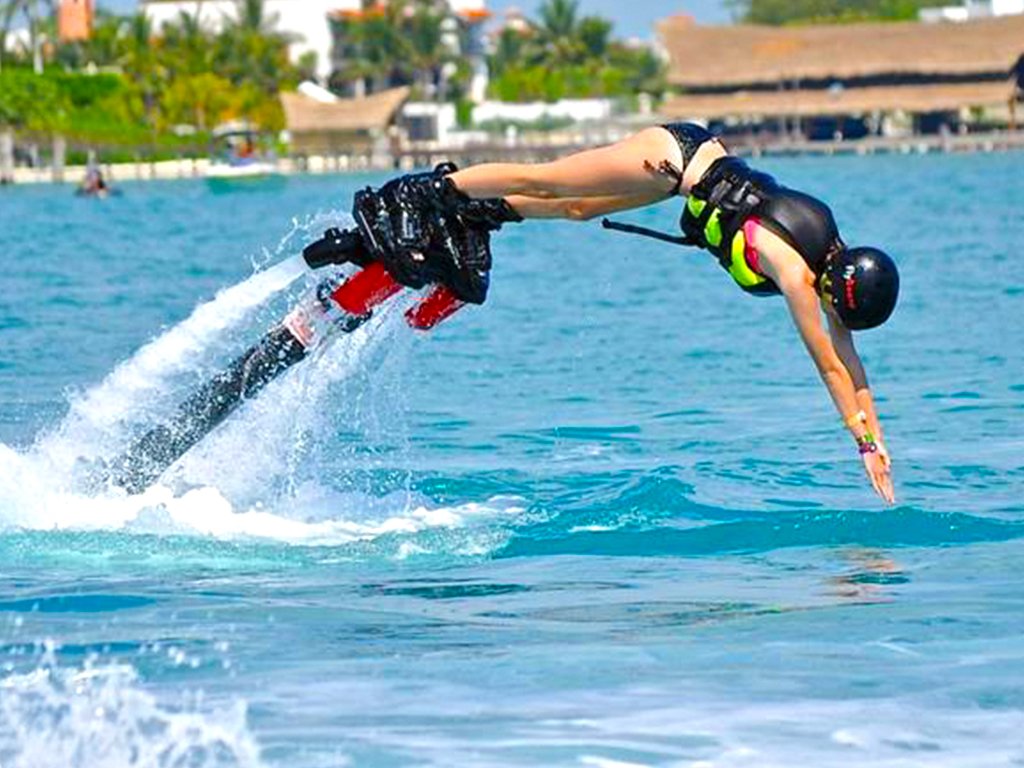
(94, 184)
(772, 240)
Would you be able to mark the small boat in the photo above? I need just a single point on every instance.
(241, 155)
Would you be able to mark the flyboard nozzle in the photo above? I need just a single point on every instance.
(436, 306)
(337, 246)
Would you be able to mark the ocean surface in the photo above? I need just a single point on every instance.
(607, 520)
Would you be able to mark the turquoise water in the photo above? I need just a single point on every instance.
(609, 519)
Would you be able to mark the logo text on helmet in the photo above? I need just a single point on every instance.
(850, 285)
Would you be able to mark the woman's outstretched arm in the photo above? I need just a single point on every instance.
(842, 340)
(788, 270)
(629, 167)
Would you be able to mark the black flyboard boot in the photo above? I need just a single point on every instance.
(424, 230)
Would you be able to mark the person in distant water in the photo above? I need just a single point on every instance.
(94, 185)
(769, 238)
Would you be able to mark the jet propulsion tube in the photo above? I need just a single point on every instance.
(148, 457)
(334, 308)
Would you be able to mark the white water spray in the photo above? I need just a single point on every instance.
(100, 717)
(254, 476)
(93, 417)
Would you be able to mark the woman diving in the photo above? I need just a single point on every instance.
(771, 240)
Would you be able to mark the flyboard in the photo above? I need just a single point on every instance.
(337, 305)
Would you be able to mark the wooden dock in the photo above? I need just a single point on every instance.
(997, 141)
(534, 151)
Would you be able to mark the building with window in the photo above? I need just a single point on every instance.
(846, 79)
(972, 9)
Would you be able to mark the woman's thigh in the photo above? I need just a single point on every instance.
(628, 167)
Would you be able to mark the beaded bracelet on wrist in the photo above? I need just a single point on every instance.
(866, 444)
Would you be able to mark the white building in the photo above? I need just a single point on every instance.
(309, 22)
(972, 9)
(576, 110)
(18, 41)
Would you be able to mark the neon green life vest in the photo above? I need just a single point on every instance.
(729, 194)
(735, 259)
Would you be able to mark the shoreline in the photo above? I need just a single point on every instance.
(418, 157)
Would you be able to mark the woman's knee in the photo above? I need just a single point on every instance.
(579, 210)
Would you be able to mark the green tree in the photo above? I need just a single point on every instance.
(424, 37)
(250, 49)
(402, 41)
(250, 53)
(185, 46)
(558, 33)
(508, 50)
(558, 18)
(642, 70)
(306, 65)
(153, 79)
(202, 100)
(32, 102)
(39, 16)
(780, 12)
(595, 34)
(371, 46)
(105, 44)
(563, 55)
(8, 10)
(138, 59)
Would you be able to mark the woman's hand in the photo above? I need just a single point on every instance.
(878, 466)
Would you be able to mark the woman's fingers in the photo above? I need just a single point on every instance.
(876, 484)
(877, 469)
(883, 453)
(885, 485)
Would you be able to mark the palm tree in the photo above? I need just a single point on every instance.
(558, 17)
(187, 45)
(559, 27)
(7, 12)
(374, 47)
(508, 50)
(595, 34)
(426, 49)
(104, 45)
(137, 56)
(250, 49)
(35, 19)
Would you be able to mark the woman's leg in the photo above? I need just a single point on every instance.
(629, 167)
(579, 208)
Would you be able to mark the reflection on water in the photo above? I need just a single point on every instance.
(870, 572)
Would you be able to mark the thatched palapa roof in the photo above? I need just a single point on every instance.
(344, 116)
(732, 56)
(847, 101)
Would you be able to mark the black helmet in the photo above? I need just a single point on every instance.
(862, 285)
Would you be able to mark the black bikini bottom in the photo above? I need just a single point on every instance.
(690, 137)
